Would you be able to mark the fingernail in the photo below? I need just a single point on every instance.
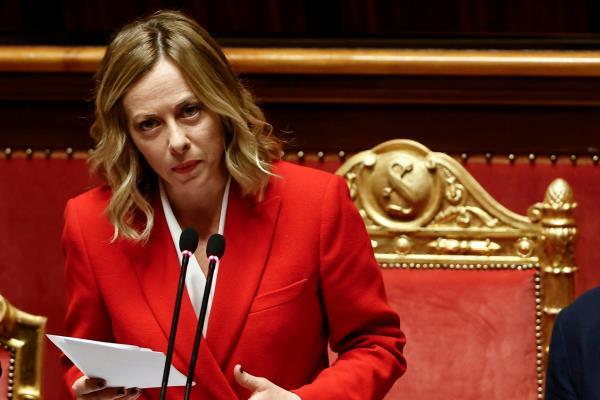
(121, 391)
(241, 369)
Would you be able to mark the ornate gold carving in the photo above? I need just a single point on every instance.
(7, 318)
(403, 244)
(462, 215)
(23, 334)
(401, 186)
(456, 210)
(454, 246)
(423, 210)
(557, 207)
(395, 188)
(454, 190)
(351, 180)
(524, 247)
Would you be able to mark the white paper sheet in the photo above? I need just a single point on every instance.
(120, 365)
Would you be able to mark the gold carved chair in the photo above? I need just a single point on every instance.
(477, 286)
(21, 348)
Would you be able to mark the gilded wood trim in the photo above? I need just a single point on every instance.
(23, 335)
(337, 61)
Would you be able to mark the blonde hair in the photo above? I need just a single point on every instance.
(250, 144)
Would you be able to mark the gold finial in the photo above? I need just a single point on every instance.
(559, 195)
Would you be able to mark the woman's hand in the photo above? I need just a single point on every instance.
(262, 388)
(95, 389)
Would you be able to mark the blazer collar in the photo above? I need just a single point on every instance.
(158, 269)
(249, 227)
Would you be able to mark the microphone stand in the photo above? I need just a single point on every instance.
(212, 262)
(186, 254)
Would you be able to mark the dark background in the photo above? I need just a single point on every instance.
(560, 24)
(471, 114)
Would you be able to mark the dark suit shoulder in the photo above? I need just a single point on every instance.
(579, 323)
(574, 362)
(584, 309)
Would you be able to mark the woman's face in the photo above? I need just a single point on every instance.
(181, 140)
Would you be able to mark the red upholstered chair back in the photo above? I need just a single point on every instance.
(21, 349)
(476, 285)
(34, 191)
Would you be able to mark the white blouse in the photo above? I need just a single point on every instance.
(195, 280)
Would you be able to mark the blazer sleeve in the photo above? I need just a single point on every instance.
(363, 329)
(86, 315)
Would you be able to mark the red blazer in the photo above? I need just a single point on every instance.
(298, 272)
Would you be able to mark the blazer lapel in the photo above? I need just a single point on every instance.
(249, 227)
(158, 272)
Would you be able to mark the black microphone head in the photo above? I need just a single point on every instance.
(215, 246)
(188, 240)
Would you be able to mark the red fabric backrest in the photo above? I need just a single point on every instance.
(470, 333)
(34, 194)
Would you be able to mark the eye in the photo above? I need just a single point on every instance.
(147, 125)
(190, 110)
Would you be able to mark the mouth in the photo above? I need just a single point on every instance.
(185, 167)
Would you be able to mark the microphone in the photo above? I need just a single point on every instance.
(188, 243)
(215, 247)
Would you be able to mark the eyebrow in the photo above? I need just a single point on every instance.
(186, 100)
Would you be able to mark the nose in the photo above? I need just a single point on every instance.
(179, 142)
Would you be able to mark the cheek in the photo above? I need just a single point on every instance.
(213, 140)
(214, 152)
(218, 144)
(149, 152)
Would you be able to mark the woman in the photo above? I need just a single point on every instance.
(180, 142)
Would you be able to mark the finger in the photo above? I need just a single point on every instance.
(86, 385)
(250, 382)
(132, 394)
(111, 393)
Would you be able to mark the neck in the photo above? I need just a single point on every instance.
(199, 208)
